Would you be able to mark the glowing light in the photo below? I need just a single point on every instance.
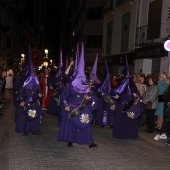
(167, 45)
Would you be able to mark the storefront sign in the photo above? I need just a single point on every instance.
(151, 52)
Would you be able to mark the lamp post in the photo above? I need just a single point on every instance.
(22, 59)
(46, 53)
(46, 59)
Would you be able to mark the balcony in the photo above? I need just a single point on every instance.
(108, 7)
(148, 35)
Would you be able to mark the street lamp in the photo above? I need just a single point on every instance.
(46, 59)
(46, 53)
(22, 59)
(167, 45)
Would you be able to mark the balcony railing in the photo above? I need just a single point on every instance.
(148, 34)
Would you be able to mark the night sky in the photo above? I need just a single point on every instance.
(53, 27)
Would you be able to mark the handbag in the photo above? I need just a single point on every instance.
(128, 104)
(32, 110)
(81, 116)
(147, 106)
(83, 119)
(111, 102)
(160, 98)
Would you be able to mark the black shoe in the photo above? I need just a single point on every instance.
(70, 145)
(25, 134)
(111, 126)
(93, 145)
(36, 133)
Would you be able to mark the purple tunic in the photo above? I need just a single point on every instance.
(104, 107)
(22, 124)
(68, 132)
(123, 126)
(58, 84)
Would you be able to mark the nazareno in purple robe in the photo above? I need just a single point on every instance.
(123, 126)
(27, 94)
(68, 132)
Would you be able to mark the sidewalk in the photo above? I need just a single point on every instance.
(44, 152)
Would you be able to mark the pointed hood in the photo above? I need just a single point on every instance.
(61, 58)
(58, 71)
(66, 62)
(93, 75)
(77, 56)
(126, 85)
(31, 80)
(80, 83)
(21, 77)
(76, 62)
(127, 71)
(106, 83)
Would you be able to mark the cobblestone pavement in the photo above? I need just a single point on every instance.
(44, 152)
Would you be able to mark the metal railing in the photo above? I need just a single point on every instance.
(147, 34)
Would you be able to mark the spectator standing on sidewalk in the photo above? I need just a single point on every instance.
(151, 95)
(139, 84)
(162, 84)
(165, 129)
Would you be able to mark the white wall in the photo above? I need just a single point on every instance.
(144, 64)
(147, 66)
(117, 27)
(138, 65)
(164, 66)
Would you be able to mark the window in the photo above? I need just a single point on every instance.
(125, 32)
(154, 19)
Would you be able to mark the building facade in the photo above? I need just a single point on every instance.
(133, 28)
